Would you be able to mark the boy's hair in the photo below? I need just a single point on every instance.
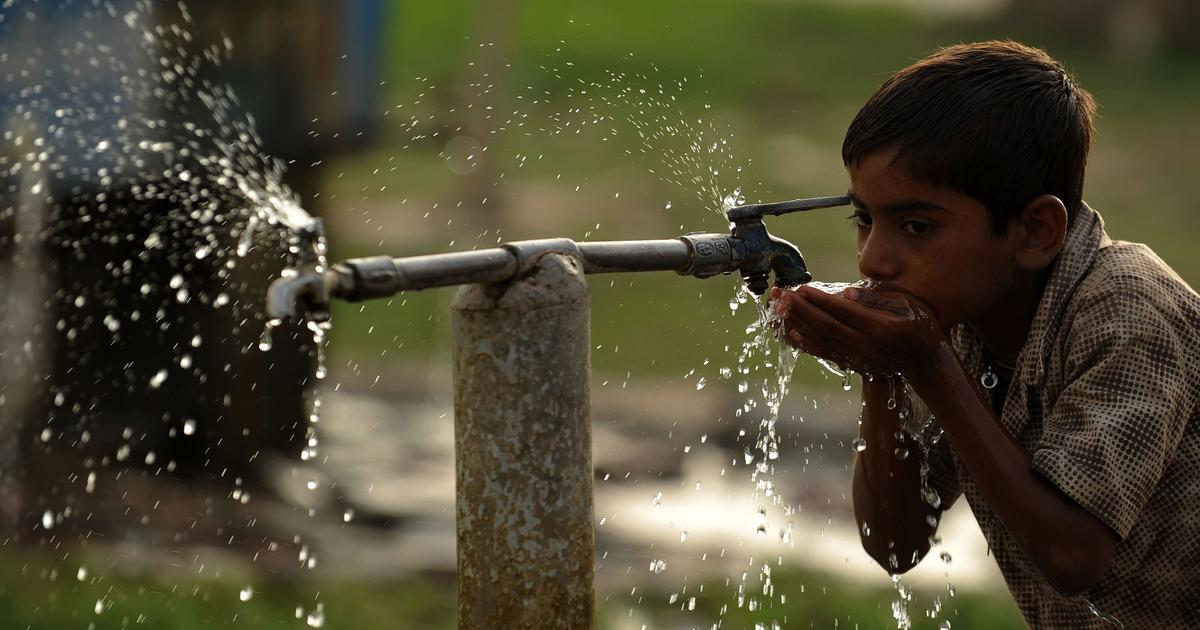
(998, 121)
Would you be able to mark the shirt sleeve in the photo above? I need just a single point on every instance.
(1116, 426)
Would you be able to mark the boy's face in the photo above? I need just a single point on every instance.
(929, 240)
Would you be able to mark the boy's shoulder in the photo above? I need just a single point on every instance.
(1135, 269)
(1130, 310)
(1112, 303)
(1129, 284)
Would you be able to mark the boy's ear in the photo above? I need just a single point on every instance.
(1038, 232)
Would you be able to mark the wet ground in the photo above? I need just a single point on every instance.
(671, 484)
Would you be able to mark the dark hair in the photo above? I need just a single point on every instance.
(998, 121)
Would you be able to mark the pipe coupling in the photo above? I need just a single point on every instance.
(711, 254)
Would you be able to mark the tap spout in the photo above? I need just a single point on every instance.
(305, 290)
(788, 264)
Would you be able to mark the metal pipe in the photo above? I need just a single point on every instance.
(617, 256)
(360, 279)
(523, 456)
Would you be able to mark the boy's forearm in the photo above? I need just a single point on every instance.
(1069, 545)
(891, 515)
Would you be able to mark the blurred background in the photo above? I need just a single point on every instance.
(205, 496)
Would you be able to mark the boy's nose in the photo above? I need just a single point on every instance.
(876, 260)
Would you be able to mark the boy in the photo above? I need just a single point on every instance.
(1062, 369)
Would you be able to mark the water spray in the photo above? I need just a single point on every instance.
(749, 249)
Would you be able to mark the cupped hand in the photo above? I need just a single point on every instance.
(880, 329)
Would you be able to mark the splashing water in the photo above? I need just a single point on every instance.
(904, 597)
(163, 218)
(768, 360)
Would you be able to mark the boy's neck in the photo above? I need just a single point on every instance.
(1005, 328)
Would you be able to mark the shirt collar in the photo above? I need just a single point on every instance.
(1084, 239)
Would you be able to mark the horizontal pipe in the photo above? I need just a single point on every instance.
(381, 276)
(442, 270)
(670, 254)
(355, 280)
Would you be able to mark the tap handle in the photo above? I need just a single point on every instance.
(741, 213)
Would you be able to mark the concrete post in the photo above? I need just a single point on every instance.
(526, 538)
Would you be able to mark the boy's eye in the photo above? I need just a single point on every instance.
(860, 219)
(916, 228)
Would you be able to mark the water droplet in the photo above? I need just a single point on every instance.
(99, 608)
(189, 427)
(246, 593)
(102, 146)
(81, 574)
(316, 618)
(247, 237)
(945, 556)
(858, 444)
(264, 342)
(47, 519)
(683, 535)
(700, 384)
(158, 379)
(348, 515)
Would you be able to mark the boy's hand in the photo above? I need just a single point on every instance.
(879, 330)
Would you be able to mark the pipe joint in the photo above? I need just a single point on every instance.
(711, 254)
(528, 253)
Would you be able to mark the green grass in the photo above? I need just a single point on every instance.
(37, 592)
(41, 593)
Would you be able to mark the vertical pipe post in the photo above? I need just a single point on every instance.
(522, 435)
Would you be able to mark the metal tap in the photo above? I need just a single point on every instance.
(748, 249)
(766, 253)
